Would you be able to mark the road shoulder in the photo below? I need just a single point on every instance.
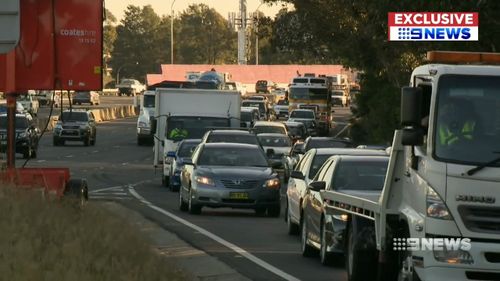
(196, 263)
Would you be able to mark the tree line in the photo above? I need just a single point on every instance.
(348, 32)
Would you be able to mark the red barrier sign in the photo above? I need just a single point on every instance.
(60, 47)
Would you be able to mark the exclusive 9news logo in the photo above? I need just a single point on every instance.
(433, 26)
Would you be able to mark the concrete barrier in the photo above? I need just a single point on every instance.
(103, 114)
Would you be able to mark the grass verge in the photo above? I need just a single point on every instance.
(42, 240)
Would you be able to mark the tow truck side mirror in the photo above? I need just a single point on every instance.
(411, 106)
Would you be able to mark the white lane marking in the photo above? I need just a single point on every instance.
(41, 161)
(341, 131)
(95, 151)
(69, 156)
(118, 187)
(105, 197)
(216, 238)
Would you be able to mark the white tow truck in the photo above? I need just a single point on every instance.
(188, 114)
(438, 217)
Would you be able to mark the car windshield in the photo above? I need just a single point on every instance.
(149, 101)
(360, 174)
(73, 116)
(231, 156)
(309, 93)
(82, 94)
(297, 131)
(269, 129)
(262, 83)
(304, 114)
(337, 93)
(467, 127)
(275, 141)
(317, 162)
(233, 138)
(326, 143)
(186, 149)
(246, 116)
(283, 102)
(21, 122)
(182, 127)
(260, 105)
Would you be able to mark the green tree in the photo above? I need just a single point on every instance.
(354, 33)
(141, 44)
(204, 36)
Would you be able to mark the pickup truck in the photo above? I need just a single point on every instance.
(130, 87)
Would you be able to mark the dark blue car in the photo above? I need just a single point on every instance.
(184, 151)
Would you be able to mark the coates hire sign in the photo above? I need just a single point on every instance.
(442, 26)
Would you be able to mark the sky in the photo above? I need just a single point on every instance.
(162, 7)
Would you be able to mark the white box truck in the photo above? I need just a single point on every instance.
(438, 217)
(191, 112)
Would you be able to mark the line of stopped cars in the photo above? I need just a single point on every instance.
(251, 168)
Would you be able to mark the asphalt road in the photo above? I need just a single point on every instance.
(117, 169)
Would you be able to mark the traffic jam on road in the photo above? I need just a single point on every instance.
(269, 178)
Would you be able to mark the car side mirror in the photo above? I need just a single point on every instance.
(171, 154)
(317, 185)
(297, 175)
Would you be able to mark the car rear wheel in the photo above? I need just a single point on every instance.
(183, 206)
(86, 141)
(194, 209)
(293, 228)
(307, 250)
(326, 257)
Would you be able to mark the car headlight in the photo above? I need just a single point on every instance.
(453, 256)
(272, 183)
(204, 180)
(143, 124)
(436, 208)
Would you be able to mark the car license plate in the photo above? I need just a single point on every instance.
(238, 195)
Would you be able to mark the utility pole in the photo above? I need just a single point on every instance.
(172, 33)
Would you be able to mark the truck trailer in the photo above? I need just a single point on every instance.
(188, 114)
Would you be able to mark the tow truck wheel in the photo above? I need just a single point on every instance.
(361, 257)
(77, 189)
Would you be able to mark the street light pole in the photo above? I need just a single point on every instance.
(172, 33)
